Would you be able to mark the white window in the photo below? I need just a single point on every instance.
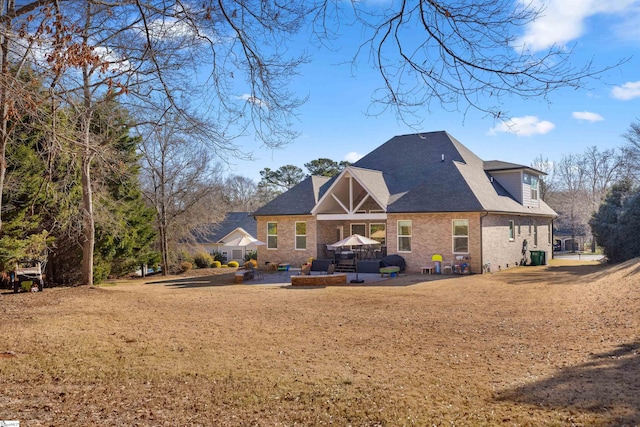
(360, 229)
(534, 188)
(272, 235)
(378, 232)
(512, 230)
(404, 236)
(535, 234)
(301, 235)
(460, 236)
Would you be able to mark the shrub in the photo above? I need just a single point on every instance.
(217, 256)
(251, 255)
(185, 266)
(251, 262)
(233, 264)
(203, 260)
(216, 264)
(183, 255)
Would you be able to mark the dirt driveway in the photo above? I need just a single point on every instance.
(551, 345)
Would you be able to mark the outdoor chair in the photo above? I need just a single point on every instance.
(257, 274)
(447, 265)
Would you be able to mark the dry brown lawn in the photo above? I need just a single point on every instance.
(552, 345)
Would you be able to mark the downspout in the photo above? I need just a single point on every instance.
(481, 243)
(553, 241)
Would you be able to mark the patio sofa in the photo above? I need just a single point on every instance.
(369, 266)
(320, 266)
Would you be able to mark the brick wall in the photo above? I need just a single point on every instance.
(500, 251)
(286, 251)
(432, 234)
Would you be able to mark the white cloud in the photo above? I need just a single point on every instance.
(628, 26)
(587, 116)
(627, 91)
(564, 20)
(523, 126)
(252, 99)
(169, 28)
(353, 157)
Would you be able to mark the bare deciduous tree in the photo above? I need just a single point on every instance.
(241, 193)
(631, 153)
(457, 55)
(179, 180)
(572, 198)
(602, 170)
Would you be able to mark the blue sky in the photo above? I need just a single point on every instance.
(334, 121)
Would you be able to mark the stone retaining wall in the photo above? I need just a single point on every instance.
(324, 280)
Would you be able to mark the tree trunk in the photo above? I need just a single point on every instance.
(88, 221)
(164, 246)
(6, 6)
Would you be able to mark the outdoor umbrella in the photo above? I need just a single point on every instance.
(244, 241)
(356, 240)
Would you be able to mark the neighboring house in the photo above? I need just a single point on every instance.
(420, 195)
(565, 242)
(235, 225)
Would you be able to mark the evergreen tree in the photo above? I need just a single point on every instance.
(42, 193)
(325, 167)
(616, 224)
(125, 235)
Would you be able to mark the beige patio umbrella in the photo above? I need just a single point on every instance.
(356, 240)
(244, 241)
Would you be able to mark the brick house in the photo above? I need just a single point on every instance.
(418, 195)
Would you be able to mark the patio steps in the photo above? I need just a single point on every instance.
(345, 267)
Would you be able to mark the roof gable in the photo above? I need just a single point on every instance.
(234, 220)
(354, 190)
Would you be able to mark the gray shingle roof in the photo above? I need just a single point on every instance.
(297, 201)
(214, 233)
(497, 165)
(427, 172)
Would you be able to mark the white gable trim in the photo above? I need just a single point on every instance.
(347, 174)
(351, 216)
(234, 234)
(339, 202)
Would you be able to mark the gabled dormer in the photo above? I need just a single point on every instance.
(355, 193)
(522, 182)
